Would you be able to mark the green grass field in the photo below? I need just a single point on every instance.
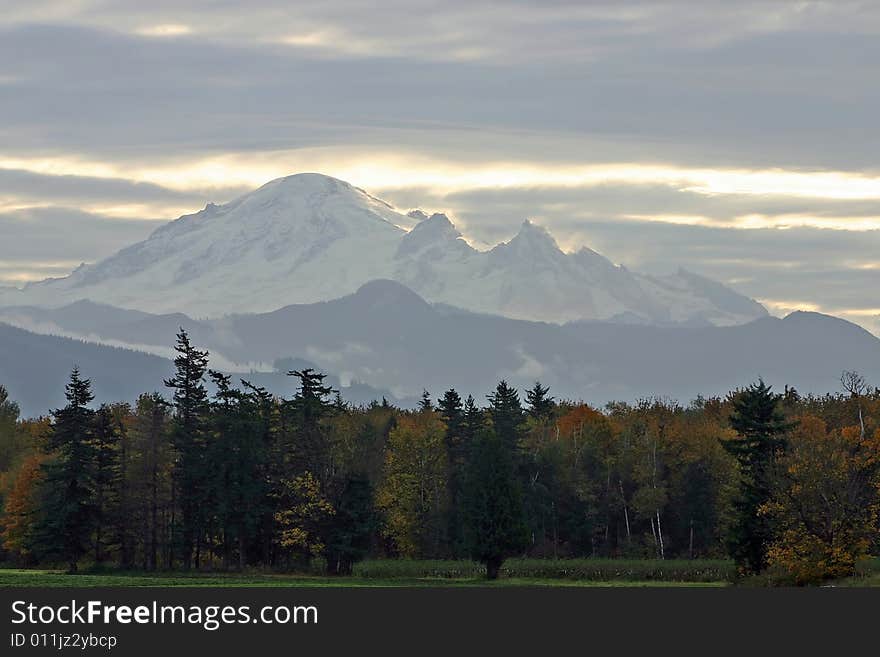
(421, 573)
(53, 578)
(414, 573)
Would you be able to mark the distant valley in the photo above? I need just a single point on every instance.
(386, 340)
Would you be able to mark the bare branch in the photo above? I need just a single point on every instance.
(854, 383)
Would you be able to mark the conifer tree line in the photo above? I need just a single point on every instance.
(228, 476)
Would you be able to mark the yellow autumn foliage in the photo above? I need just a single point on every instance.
(825, 506)
(300, 522)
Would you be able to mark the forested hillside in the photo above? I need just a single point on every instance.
(388, 337)
(234, 476)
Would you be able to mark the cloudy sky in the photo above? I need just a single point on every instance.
(739, 140)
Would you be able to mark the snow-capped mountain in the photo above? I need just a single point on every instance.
(308, 238)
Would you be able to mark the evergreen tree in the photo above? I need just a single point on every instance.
(269, 470)
(451, 411)
(106, 477)
(237, 460)
(472, 420)
(506, 413)
(152, 485)
(68, 509)
(425, 402)
(494, 522)
(352, 527)
(761, 427)
(123, 512)
(540, 404)
(188, 438)
(222, 494)
(307, 410)
(8, 410)
(457, 444)
(9, 448)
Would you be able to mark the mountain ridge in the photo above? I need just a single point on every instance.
(35, 367)
(308, 237)
(389, 337)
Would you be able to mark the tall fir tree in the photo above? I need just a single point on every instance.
(269, 467)
(68, 510)
(761, 428)
(506, 412)
(494, 522)
(307, 410)
(152, 487)
(539, 404)
(107, 477)
(220, 463)
(188, 436)
(352, 526)
(452, 411)
(237, 454)
(124, 526)
(457, 447)
(472, 419)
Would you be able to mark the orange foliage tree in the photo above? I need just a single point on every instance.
(827, 502)
(21, 505)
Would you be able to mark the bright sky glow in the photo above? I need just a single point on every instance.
(393, 171)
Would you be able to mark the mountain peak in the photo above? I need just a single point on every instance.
(532, 241)
(439, 217)
(303, 184)
(439, 223)
(317, 204)
(535, 233)
(308, 178)
(309, 237)
(431, 231)
(388, 294)
(318, 194)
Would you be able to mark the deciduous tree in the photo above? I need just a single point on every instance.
(413, 492)
(825, 506)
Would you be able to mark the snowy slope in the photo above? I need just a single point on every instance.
(529, 277)
(296, 239)
(308, 238)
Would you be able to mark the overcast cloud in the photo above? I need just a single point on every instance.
(736, 139)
